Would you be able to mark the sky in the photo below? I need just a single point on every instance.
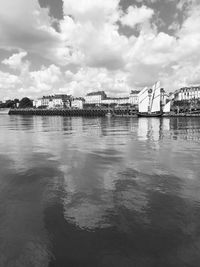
(75, 47)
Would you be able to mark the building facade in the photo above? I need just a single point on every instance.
(188, 93)
(62, 101)
(133, 97)
(78, 102)
(54, 101)
(100, 98)
(42, 102)
(95, 97)
(115, 101)
(123, 101)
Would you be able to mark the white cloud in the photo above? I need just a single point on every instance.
(92, 35)
(46, 75)
(47, 80)
(8, 81)
(24, 25)
(93, 79)
(175, 26)
(15, 61)
(194, 75)
(91, 44)
(136, 15)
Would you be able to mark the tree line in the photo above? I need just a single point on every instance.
(25, 102)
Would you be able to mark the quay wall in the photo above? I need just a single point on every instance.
(181, 115)
(60, 112)
(89, 112)
(92, 112)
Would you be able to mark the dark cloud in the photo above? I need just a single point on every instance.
(112, 61)
(55, 7)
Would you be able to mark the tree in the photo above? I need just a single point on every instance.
(9, 103)
(25, 103)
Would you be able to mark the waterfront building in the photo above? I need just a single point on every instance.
(100, 98)
(61, 101)
(51, 104)
(95, 97)
(46, 100)
(109, 101)
(187, 93)
(115, 101)
(133, 97)
(78, 102)
(57, 101)
(35, 102)
(42, 102)
(123, 101)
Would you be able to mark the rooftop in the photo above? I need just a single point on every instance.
(61, 96)
(190, 87)
(96, 93)
(79, 98)
(135, 91)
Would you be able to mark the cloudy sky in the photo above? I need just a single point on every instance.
(78, 46)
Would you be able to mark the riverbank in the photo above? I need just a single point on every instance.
(4, 111)
(89, 113)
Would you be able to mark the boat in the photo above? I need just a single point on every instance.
(150, 101)
(4, 111)
(126, 115)
(167, 107)
(158, 114)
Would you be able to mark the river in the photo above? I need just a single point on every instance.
(99, 192)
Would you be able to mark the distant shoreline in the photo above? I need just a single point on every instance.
(87, 113)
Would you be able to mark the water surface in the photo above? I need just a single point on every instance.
(99, 192)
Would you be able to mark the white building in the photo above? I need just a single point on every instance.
(42, 102)
(95, 97)
(59, 101)
(122, 101)
(188, 93)
(109, 101)
(51, 104)
(115, 100)
(37, 103)
(78, 102)
(133, 97)
(46, 100)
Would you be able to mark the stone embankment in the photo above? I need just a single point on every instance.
(90, 112)
(60, 112)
